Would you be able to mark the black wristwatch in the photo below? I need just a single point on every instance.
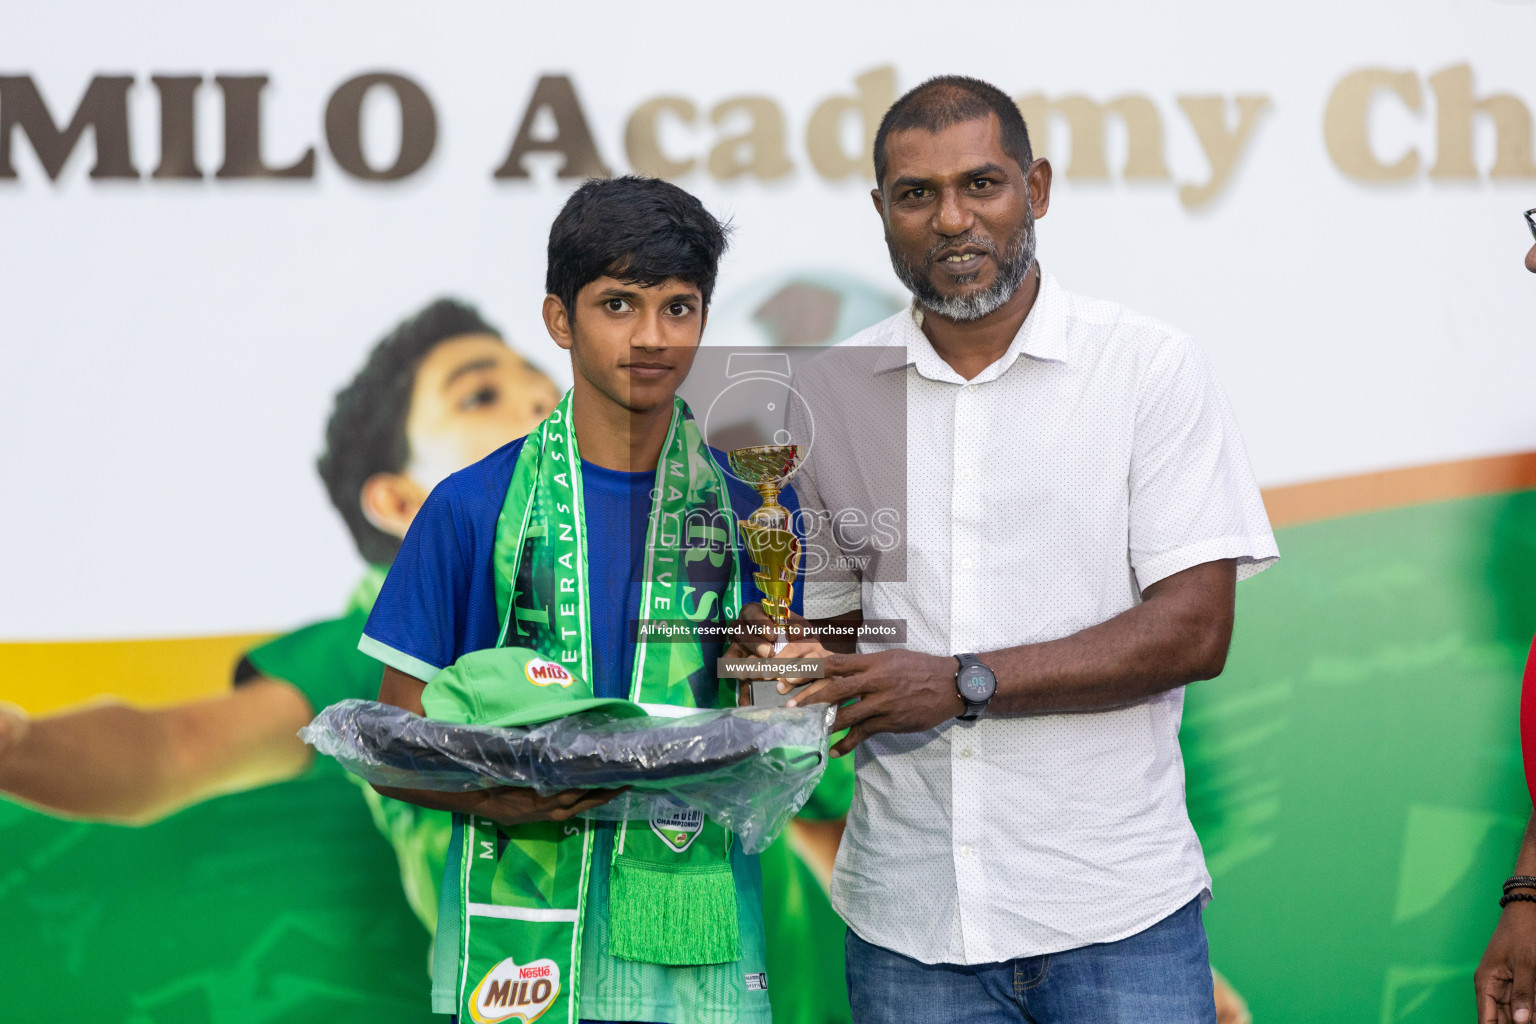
(976, 684)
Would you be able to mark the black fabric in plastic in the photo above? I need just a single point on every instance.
(750, 769)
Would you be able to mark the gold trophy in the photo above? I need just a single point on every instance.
(767, 532)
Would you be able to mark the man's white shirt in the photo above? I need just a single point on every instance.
(1096, 457)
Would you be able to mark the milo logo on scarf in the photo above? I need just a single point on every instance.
(513, 991)
(678, 829)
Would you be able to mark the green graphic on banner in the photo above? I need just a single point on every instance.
(1355, 774)
(231, 912)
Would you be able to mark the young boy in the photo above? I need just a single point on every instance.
(613, 510)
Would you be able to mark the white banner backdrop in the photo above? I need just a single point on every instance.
(1326, 197)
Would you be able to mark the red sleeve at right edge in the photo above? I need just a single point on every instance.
(1528, 721)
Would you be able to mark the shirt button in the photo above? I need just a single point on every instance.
(965, 563)
(965, 851)
(966, 753)
(965, 474)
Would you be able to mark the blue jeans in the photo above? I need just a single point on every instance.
(1159, 976)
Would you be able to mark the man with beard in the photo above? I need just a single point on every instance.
(1079, 510)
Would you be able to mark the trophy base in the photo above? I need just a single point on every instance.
(764, 693)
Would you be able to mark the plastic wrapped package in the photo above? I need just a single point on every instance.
(750, 769)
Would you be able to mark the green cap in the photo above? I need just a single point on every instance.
(508, 686)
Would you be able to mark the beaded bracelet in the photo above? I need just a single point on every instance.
(1516, 897)
(1521, 882)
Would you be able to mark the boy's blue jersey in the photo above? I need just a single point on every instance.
(439, 600)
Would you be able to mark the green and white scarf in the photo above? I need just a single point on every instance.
(522, 891)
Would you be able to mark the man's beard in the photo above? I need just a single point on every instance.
(1012, 267)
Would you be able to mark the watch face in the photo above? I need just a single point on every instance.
(976, 683)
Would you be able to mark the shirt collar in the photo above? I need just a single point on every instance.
(1043, 335)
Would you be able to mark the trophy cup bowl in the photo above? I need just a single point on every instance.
(767, 532)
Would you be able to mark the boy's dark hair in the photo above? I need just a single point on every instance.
(949, 100)
(638, 230)
(366, 431)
